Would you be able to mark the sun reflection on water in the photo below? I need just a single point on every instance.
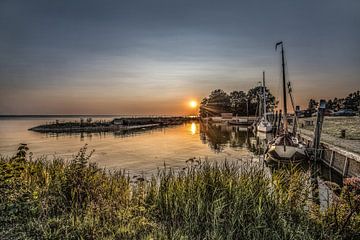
(193, 128)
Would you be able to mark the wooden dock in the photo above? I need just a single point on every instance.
(342, 160)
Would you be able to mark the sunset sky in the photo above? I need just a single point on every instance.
(153, 57)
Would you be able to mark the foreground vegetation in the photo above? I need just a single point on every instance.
(42, 199)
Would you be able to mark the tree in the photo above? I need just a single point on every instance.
(238, 102)
(312, 105)
(329, 104)
(217, 103)
(202, 109)
(254, 96)
(352, 101)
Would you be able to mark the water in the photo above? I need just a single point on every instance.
(144, 151)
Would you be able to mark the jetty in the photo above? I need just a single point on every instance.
(341, 155)
(116, 125)
(230, 119)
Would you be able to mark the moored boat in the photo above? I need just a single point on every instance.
(285, 147)
(264, 125)
(239, 121)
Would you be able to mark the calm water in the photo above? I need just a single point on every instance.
(144, 151)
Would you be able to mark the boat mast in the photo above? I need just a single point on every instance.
(284, 84)
(264, 96)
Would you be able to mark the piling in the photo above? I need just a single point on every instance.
(274, 121)
(295, 124)
(343, 133)
(278, 123)
(318, 127)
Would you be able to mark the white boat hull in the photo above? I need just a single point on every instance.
(264, 126)
(287, 153)
(264, 136)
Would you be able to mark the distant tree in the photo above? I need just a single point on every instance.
(312, 105)
(238, 102)
(203, 107)
(218, 102)
(329, 104)
(352, 101)
(254, 96)
(336, 104)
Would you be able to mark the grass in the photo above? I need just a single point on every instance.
(43, 199)
(333, 126)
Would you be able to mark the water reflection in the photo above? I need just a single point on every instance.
(193, 128)
(87, 136)
(220, 136)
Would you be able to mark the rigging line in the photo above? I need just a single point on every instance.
(279, 86)
(290, 91)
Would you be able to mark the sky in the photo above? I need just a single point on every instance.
(154, 56)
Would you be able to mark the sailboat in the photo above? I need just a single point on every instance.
(285, 147)
(264, 125)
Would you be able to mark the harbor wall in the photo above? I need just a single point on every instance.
(342, 161)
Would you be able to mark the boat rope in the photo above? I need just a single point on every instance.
(295, 124)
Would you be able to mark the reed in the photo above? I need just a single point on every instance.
(57, 199)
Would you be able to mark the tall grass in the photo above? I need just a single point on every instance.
(43, 199)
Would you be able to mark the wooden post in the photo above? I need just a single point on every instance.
(294, 125)
(278, 123)
(332, 158)
(274, 123)
(318, 127)
(346, 167)
(343, 133)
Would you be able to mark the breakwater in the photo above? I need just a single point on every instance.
(116, 125)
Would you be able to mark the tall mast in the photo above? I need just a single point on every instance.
(284, 84)
(264, 96)
(284, 87)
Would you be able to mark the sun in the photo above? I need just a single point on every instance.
(193, 104)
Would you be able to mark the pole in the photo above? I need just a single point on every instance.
(279, 122)
(284, 87)
(318, 127)
(275, 119)
(264, 97)
(247, 108)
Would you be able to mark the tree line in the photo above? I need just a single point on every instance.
(352, 101)
(238, 102)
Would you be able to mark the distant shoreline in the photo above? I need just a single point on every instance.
(116, 125)
(85, 115)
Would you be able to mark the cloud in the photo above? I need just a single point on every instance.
(138, 52)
